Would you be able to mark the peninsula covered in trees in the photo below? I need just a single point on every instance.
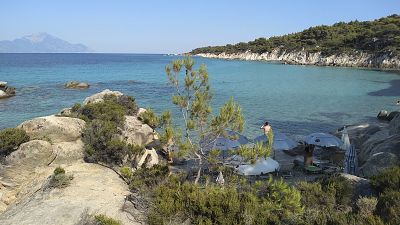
(377, 36)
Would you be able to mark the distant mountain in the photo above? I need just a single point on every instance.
(41, 43)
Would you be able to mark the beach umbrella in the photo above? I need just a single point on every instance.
(232, 140)
(323, 140)
(345, 139)
(281, 141)
(262, 166)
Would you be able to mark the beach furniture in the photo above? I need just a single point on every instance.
(323, 140)
(262, 166)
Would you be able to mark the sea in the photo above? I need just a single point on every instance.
(296, 100)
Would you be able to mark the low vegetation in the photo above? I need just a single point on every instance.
(268, 202)
(11, 139)
(104, 121)
(60, 179)
(378, 36)
(99, 219)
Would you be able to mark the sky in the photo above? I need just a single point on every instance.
(176, 26)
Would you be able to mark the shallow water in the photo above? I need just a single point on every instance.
(297, 100)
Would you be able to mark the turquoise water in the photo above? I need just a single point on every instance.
(297, 100)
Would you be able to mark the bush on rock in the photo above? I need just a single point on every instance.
(11, 139)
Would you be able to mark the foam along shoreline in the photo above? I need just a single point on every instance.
(387, 61)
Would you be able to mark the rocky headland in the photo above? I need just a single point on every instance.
(356, 59)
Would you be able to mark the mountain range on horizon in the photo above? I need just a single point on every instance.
(41, 43)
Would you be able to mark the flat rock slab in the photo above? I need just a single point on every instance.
(94, 188)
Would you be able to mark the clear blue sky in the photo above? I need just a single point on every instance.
(174, 26)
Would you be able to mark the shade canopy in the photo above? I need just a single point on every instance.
(262, 166)
(323, 140)
(281, 141)
(232, 140)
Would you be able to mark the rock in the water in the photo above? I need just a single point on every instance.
(3, 83)
(136, 132)
(3, 94)
(383, 115)
(99, 97)
(76, 85)
(6, 91)
(378, 162)
(53, 128)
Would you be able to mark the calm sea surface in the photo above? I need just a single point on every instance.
(297, 100)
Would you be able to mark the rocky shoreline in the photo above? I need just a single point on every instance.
(356, 59)
(56, 141)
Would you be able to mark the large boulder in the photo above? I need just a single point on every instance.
(76, 85)
(136, 132)
(31, 154)
(362, 186)
(360, 133)
(393, 115)
(394, 125)
(66, 152)
(99, 97)
(54, 129)
(148, 159)
(377, 163)
(94, 189)
(368, 147)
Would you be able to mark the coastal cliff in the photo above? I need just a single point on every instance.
(371, 44)
(356, 59)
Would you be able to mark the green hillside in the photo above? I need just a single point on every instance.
(381, 35)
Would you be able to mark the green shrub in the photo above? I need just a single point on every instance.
(11, 139)
(59, 170)
(388, 207)
(148, 177)
(342, 188)
(313, 196)
(126, 172)
(150, 118)
(108, 110)
(366, 206)
(129, 103)
(267, 203)
(388, 179)
(106, 220)
(76, 107)
(60, 179)
(98, 133)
